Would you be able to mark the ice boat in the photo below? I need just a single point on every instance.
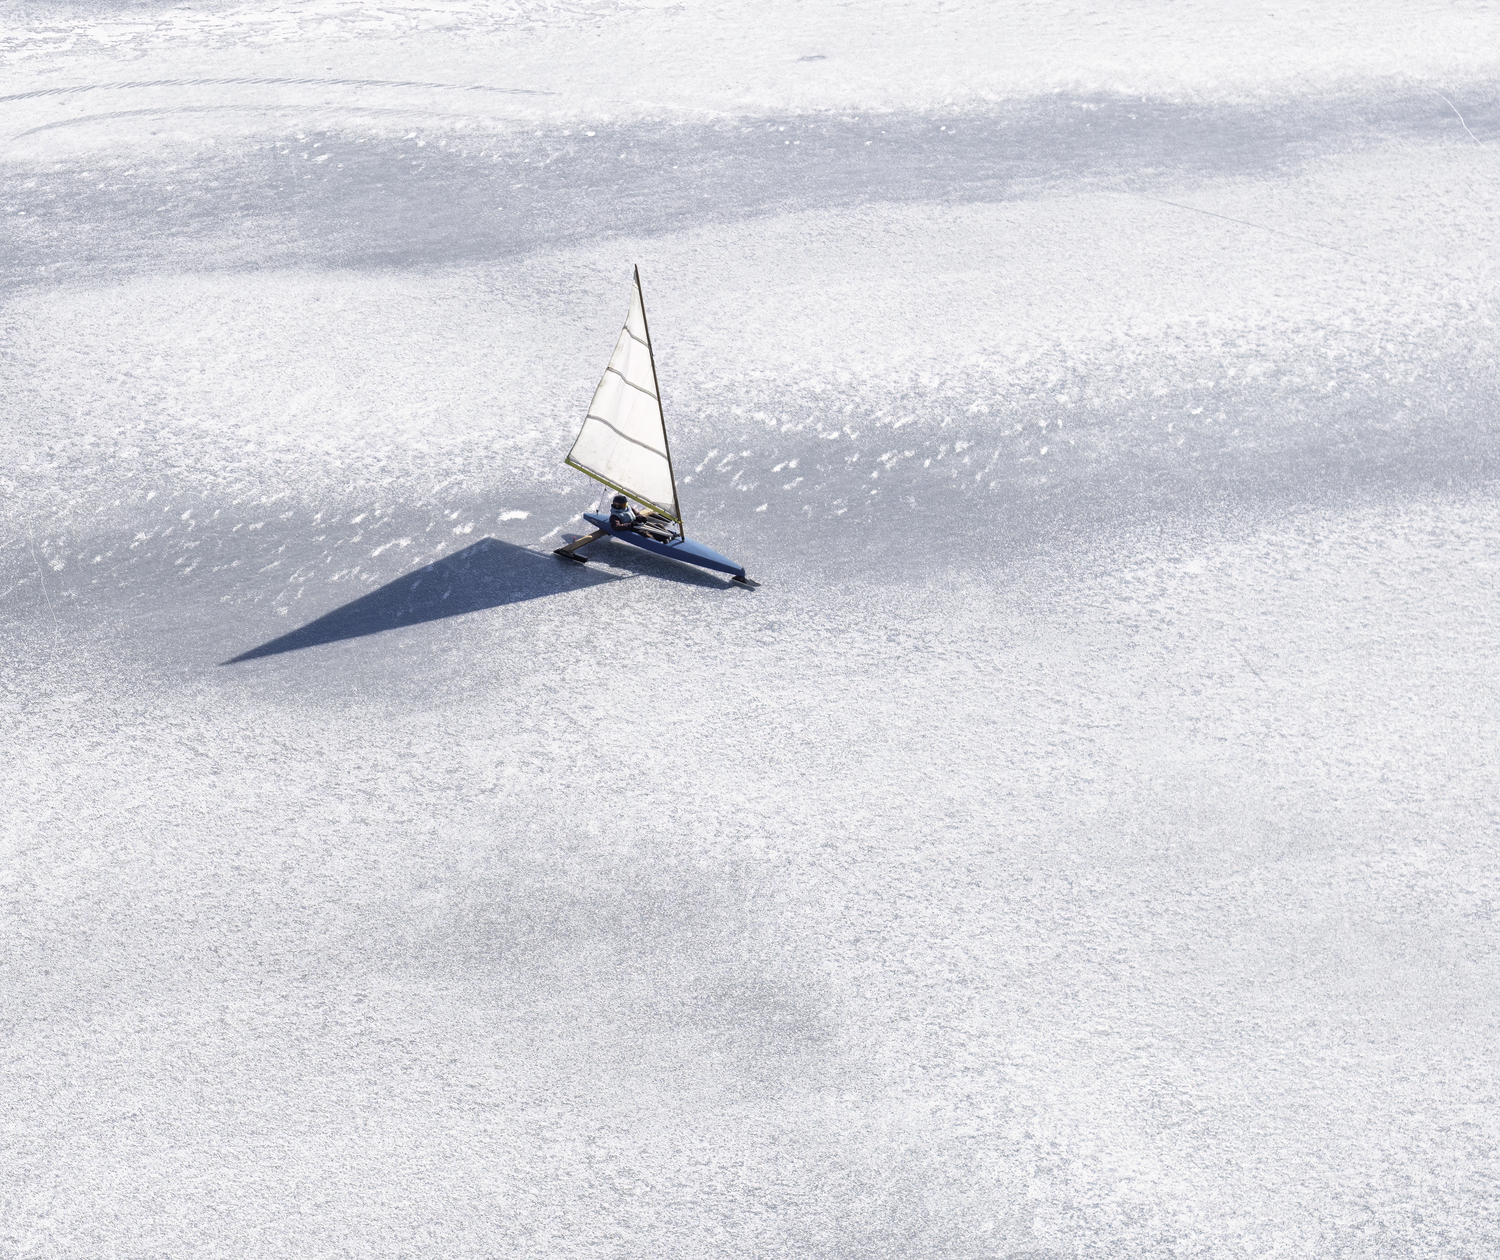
(623, 443)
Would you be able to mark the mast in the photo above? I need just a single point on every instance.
(656, 376)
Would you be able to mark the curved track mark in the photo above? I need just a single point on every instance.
(151, 83)
(245, 109)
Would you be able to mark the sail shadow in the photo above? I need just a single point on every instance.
(487, 574)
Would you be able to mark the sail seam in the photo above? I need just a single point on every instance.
(626, 436)
(614, 485)
(634, 338)
(633, 385)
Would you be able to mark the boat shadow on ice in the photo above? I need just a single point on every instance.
(638, 563)
(486, 574)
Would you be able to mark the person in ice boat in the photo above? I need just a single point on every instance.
(652, 524)
(622, 516)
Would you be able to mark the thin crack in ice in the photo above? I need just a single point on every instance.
(1461, 121)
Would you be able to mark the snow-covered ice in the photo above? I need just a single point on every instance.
(1082, 844)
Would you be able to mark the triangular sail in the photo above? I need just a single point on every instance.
(623, 442)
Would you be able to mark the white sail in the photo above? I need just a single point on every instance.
(623, 442)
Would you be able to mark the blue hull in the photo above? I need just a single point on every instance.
(683, 549)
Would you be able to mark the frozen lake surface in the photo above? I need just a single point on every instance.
(1082, 844)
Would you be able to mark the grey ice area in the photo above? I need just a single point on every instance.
(377, 201)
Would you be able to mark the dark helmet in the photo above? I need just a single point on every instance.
(618, 501)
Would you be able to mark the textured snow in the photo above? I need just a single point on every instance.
(1082, 844)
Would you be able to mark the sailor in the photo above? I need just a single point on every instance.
(651, 524)
(621, 516)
